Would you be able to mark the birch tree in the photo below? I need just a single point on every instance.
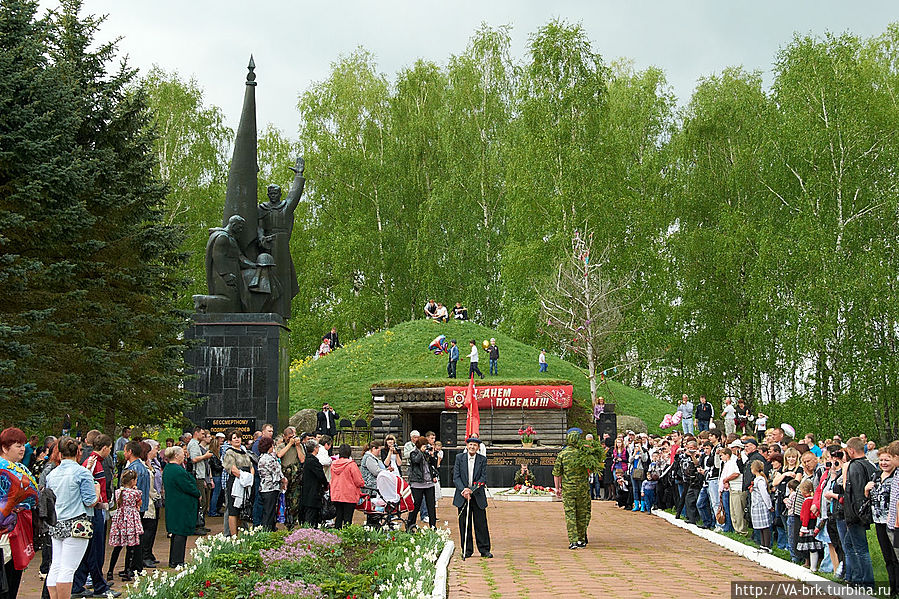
(583, 307)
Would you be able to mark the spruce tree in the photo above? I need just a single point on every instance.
(130, 271)
(41, 174)
(90, 273)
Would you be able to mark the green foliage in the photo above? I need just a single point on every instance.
(222, 578)
(191, 145)
(267, 541)
(759, 225)
(344, 584)
(590, 455)
(356, 535)
(399, 356)
(243, 561)
(99, 279)
(41, 170)
(245, 584)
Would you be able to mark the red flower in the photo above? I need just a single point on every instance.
(376, 572)
(240, 561)
(200, 594)
(207, 583)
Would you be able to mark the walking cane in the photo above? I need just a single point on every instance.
(465, 529)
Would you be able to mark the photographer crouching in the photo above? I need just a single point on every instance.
(422, 479)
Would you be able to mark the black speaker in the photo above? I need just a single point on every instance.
(448, 423)
(607, 425)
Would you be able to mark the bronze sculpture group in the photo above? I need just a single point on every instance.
(248, 263)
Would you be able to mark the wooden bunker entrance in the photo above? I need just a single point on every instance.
(420, 408)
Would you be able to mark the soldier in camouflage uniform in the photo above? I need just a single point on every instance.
(572, 486)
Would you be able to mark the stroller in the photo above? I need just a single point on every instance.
(384, 507)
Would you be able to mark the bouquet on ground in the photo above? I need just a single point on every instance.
(527, 434)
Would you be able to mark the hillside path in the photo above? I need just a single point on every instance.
(630, 555)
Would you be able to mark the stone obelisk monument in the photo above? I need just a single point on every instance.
(240, 362)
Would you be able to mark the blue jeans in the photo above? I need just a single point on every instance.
(637, 486)
(841, 532)
(94, 556)
(257, 503)
(680, 499)
(216, 491)
(780, 528)
(793, 526)
(543, 367)
(595, 487)
(703, 425)
(649, 498)
(494, 368)
(703, 504)
(858, 558)
(687, 424)
(725, 501)
(424, 511)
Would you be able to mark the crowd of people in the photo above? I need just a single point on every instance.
(814, 499)
(93, 492)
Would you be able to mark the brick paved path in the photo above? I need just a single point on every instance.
(630, 555)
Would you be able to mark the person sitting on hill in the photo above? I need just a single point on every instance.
(430, 309)
(324, 349)
(460, 312)
(441, 315)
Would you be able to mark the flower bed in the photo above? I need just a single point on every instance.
(355, 562)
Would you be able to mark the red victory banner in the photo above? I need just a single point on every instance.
(529, 397)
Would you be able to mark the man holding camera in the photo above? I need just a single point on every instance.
(326, 421)
(693, 480)
(470, 480)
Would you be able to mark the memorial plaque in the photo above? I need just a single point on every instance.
(246, 427)
(517, 457)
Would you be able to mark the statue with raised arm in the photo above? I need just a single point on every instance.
(275, 226)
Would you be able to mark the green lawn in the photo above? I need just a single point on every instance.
(399, 356)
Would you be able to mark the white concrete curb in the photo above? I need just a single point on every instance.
(440, 581)
(753, 554)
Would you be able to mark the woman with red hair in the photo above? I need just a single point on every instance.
(19, 495)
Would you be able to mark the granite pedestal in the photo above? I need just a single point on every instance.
(240, 366)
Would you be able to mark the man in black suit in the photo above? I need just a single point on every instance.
(470, 480)
(326, 423)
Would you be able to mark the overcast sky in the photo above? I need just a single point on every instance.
(294, 43)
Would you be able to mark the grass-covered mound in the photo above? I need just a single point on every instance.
(399, 357)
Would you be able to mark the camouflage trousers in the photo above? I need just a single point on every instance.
(576, 503)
